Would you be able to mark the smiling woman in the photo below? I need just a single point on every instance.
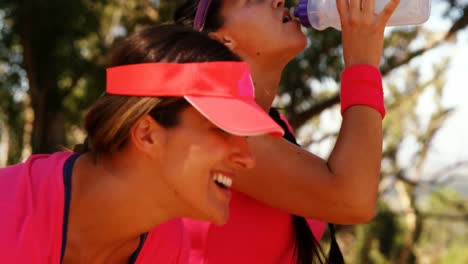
(166, 140)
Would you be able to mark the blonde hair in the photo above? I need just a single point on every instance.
(111, 118)
(109, 121)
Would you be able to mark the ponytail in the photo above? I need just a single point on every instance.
(82, 148)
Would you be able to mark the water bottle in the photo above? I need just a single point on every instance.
(321, 14)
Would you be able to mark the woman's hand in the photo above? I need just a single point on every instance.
(363, 30)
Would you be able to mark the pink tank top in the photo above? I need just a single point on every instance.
(254, 233)
(32, 213)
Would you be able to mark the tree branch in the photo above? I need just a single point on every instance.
(299, 119)
(426, 215)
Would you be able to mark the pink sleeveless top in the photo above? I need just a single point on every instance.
(32, 212)
(255, 233)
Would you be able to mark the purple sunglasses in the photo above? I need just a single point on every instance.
(202, 12)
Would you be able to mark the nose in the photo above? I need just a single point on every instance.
(278, 3)
(241, 157)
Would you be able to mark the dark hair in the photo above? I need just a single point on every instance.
(307, 249)
(110, 119)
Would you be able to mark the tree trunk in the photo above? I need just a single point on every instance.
(48, 133)
(410, 219)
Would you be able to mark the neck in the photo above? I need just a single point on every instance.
(110, 207)
(266, 77)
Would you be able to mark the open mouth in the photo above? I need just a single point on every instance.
(286, 17)
(222, 181)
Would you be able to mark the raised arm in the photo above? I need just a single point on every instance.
(343, 189)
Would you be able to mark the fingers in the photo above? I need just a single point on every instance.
(384, 16)
(368, 7)
(355, 6)
(352, 11)
(342, 6)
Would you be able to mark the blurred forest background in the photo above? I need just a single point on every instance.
(52, 61)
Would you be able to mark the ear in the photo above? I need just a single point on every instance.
(225, 39)
(146, 135)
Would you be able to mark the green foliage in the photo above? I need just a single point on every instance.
(63, 47)
(443, 239)
(379, 241)
(456, 254)
(445, 235)
(320, 60)
(11, 88)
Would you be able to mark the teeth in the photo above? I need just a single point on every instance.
(223, 180)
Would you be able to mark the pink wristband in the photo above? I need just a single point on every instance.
(362, 85)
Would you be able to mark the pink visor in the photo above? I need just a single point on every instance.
(223, 92)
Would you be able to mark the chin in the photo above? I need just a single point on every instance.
(299, 44)
(293, 47)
